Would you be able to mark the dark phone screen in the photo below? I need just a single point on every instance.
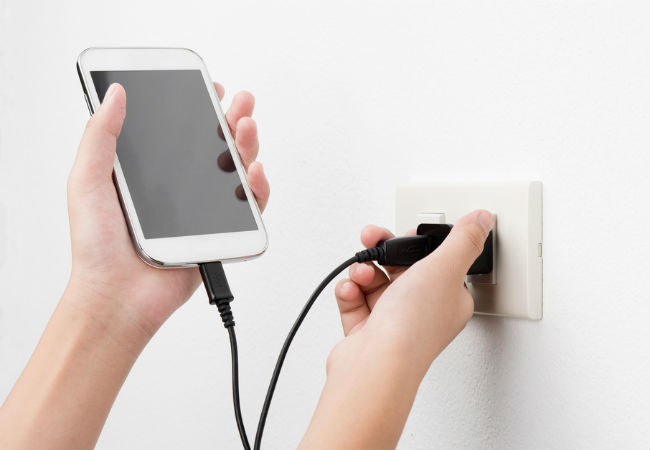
(177, 165)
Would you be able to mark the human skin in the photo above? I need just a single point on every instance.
(113, 303)
(395, 324)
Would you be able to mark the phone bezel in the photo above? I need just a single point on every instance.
(179, 251)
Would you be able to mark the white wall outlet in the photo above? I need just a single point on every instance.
(516, 288)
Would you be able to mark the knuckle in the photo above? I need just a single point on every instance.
(475, 236)
(446, 268)
(250, 96)
(339, 287)
(91, 123)
(247, 95)
(96, 131)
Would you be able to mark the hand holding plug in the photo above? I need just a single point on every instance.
(395, 324)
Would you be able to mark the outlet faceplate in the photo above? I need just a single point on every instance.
(518, 208)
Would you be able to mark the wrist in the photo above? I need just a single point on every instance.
(371, 349)
(77, 369)
(370, 388)
(107, 314)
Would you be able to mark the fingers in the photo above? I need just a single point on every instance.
(244, 130)
(96, 154)
(242, 106)
(368, 276)
(259, 184)
(372, 234)
(465, 242)
(220, 90)
(352, 305)
(246, 140)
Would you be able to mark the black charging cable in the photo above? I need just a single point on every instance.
(219, 294)
(402, 251)
(371, 254)
(216, 285)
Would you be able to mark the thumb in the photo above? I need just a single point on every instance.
(465, 242)
(94, 162)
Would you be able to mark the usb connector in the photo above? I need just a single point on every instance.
(407, 250)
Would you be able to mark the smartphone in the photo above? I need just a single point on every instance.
(178, 175)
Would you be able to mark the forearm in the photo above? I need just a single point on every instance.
(365, 401)
(63, 396)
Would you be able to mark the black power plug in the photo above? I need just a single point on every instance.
(438, 232)
(407, 250)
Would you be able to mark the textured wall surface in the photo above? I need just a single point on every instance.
(352, 98)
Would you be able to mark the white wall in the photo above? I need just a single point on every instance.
(353, 97)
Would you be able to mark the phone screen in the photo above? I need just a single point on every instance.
(176, 162)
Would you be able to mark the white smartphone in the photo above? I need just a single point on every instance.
(178, 175)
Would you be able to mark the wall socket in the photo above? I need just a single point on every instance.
(515, 289)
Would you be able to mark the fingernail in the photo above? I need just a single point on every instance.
(109, 93)
(486, 220)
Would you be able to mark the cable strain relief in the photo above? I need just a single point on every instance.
(371, 254)
(223, 306)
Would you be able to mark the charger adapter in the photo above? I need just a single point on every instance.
(407, 250)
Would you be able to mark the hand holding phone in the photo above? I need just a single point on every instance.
(114, 302)
(179, 177)
(104, 261)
